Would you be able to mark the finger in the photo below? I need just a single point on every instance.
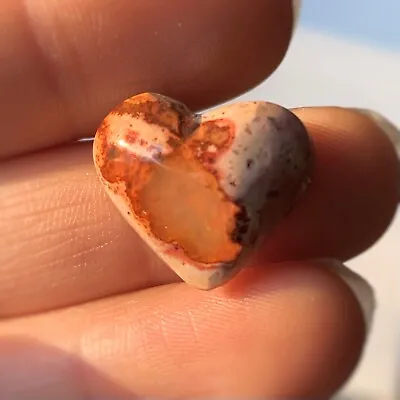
(71, 61)
(292, 331)
(63, 242)
(355, 189)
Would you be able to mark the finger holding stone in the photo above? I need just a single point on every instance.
(257, 155)
(201, 190)
(64, 242)
(294, 330)
(354, 192)
(72, 60)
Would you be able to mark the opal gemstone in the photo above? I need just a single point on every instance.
(202, 190)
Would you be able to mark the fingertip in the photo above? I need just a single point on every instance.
(362, 140)
(201, 53)
(287, 330)
(353, 195)
(361, 289)
(392, 131)
(292, 330)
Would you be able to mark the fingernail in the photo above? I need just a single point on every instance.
(361, 289)
(296, 4)
(388, 127)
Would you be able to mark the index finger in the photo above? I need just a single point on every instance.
(72, 60)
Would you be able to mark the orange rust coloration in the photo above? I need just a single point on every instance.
(210, 140)
(160, 111)
(176, 198)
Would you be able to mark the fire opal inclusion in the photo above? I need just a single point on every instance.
(202, 190)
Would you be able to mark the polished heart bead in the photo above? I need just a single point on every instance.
(202, 190)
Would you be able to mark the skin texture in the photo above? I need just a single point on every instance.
(86, 310)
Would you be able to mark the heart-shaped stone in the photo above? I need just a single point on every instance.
(201, 190)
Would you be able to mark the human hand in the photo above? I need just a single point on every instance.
(87, 311)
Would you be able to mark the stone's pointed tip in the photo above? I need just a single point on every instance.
(200, 197)
(207, 279)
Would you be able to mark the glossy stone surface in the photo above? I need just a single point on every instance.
(201, 190)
